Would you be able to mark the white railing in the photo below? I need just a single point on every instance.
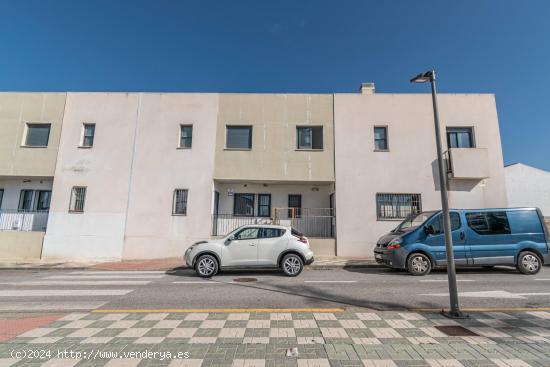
(18, 220)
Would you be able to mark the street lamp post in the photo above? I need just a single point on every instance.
(454, 312)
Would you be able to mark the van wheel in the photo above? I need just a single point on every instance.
(528, 263)
(419, 264)
(292, 265)
(206, 266)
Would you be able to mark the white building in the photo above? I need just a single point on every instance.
(528, 186)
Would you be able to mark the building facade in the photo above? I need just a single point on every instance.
(145, 175)
(528, 186)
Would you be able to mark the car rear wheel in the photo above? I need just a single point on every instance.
(529, 263)
(206, 266)
(292, 265)
(419, 264)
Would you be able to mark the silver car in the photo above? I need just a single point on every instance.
(252, 246)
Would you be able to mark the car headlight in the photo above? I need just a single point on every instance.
(395, 243)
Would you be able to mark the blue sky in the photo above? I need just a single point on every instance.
(480, 46)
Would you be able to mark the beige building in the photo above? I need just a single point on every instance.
(145, 175)
(30, 127)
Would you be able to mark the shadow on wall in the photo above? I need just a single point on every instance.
(466, 185)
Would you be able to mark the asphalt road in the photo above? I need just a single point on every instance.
(377, 288)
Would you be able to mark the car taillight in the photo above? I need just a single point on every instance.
(303, 240)
(393, 246)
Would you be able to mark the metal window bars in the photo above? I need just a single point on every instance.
(397, 206)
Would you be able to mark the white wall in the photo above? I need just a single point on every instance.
(130, 174)
(160, 167)
(410, 164)
(13, 186)
(528, 186)
(98, 233)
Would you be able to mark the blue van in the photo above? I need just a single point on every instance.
(481, 237)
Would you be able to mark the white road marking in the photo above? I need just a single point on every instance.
(198, 282)
(490, 294)
(445, 280)
(84, 277)
(49, 306)
(63, 292)
(544, 279)
(81, 282)
(330, 281)
(122, 272)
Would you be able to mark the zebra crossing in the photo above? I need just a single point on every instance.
(71, 291)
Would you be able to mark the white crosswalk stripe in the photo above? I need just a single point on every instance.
(71, 291)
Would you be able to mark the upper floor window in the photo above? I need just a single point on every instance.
(26, 198)
(310, 137)
(460, 137)
(397, 206)
(179, 206)
(31, 200)
(186, 136)
(1, 197)
(78, 197)
(238, 137)
(380, 138)
(37, 135)
(88, 133)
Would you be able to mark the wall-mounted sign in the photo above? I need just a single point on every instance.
(230, 192)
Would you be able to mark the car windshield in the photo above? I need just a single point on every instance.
(412, 221)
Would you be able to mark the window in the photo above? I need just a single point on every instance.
(460, 137)
(238, 137)
(37, 135)
(25, 200)
(186, 136)
(437, 223)
(247, 234)
(309, 137)
(78, 196)
(397, 206)
(295, 203)
(179, 206)
(243, 205)
(380, 138)
(1, 197)
(272, 232)
(43, 198)
(88, 132)
(264, 205)
(488, 223)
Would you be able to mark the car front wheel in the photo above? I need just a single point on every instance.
(529, 263)
(419, 264)
(292, 265)
(206, 266)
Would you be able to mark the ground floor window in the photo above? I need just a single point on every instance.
(397, 206)
(78, 197)
(243, 205)
(264, 205)
(179, 206)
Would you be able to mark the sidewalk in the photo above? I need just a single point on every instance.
(165, 264)
(353, 337)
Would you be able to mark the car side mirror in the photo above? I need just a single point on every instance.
(429, 229)
(229, 239)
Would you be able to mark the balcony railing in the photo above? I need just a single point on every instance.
(20, 220)
(312, 222)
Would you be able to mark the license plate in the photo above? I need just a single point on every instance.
(377, 256)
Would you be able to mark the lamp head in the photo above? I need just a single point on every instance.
(428, 76)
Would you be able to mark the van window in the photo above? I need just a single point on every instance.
(437, 223)
(488, 223)
(524, 221)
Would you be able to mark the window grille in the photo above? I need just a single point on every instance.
(397, 206)
(180, 202)
(78, 197)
